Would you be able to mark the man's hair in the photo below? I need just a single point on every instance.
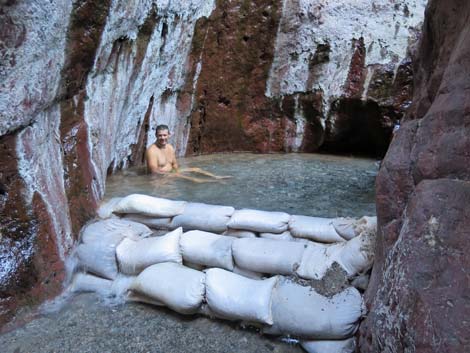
(162, 127)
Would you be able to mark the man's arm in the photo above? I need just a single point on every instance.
(174, 163)
(151, 159)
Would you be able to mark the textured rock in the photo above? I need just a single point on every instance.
(302, 75)
(81, 87)
(418, 297)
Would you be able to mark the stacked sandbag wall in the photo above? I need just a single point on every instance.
(243, 265)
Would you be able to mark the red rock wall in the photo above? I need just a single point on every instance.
(418, 299)
(246, 98)
(82, 85)
(46, 177)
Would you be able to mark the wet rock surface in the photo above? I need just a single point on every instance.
(418, 296)
(87, 325)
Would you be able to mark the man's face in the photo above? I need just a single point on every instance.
(162, 137)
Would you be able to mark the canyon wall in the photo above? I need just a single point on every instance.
(418, 298)
(303, 75)
(84, 83)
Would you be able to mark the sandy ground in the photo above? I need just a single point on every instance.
(86, 324)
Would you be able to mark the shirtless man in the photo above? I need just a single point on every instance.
(161, 159)
(160, 156)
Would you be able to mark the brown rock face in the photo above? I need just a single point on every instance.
(249, 97)
(236, 45)
(418, 298)
(31, 267)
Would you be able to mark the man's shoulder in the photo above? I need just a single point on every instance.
(152, 148)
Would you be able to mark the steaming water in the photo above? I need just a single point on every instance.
(308, 184)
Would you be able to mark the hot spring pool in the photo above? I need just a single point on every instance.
(307, 184)
(317, 185)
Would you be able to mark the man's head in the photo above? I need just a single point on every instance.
(163, 134)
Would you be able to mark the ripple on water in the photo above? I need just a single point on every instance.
(309, 184)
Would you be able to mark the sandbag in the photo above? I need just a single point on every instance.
(180, 288)
(357, 255)
(354, 256)
(239, 233)
(208, 249)
(267, 255)
(337, 346)
(134, 256)
(106, 208)
(366, 224)
(300, 311)
(98, 258)
(314, 228)
(344, 226)
(199, 216)
(97, 252)
(113, 228)
(149, 206)
(152, 222)
(259, 221)
(235, 297)
(84, 282)
(274, 236)
(247, 273)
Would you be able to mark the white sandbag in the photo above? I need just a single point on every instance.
(152, 222)
(354, 256)
(149, 206)
(357, 255)
(366, 224)
(106, 208)
(98, 258)
(274, 236)
(208, 249)
(180, 288)
(337, 346)
(247, 273)
(133, 256)
(238, 298)
(97, 252)
(344, 226)
(267, 255)
(259, 221)
(300, 311)
(142, 298)
(239, 233)
(113, 228)
(199, 216)
(314, 228)
(84, 282)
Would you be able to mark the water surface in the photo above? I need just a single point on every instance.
(308, 184)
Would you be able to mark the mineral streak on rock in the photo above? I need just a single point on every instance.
(351, 52)
(32, 41)
(35, 234)
(78, 85)
(418, 295)
(236, 46)
(143, 54)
